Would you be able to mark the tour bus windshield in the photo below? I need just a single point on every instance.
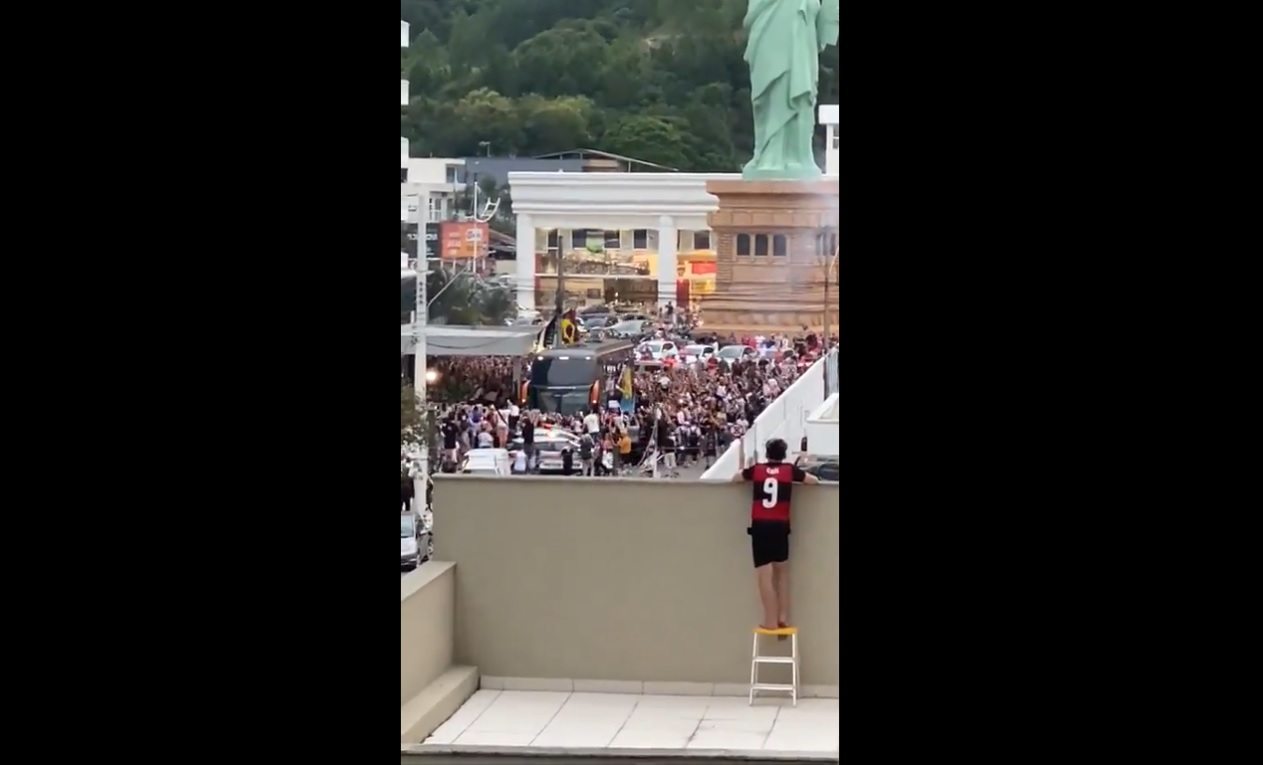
(564, 371)
(561, 402)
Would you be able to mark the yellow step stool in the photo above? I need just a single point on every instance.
(792, 660)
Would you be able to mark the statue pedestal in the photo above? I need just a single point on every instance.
(774, 241)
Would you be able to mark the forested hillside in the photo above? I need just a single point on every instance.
(661, 80)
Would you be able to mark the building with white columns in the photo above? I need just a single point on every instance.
(634, 237)
(623, 235)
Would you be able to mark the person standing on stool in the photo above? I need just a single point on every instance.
(773, 482)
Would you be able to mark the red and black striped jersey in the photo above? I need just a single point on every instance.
(773, 486)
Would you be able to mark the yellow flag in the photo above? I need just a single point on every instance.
(626, 383)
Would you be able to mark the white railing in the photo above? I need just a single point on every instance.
(785, 418)
(822, 428)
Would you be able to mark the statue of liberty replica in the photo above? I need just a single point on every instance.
(785, 40)
(776, 223)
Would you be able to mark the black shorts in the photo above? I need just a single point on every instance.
(770, 542)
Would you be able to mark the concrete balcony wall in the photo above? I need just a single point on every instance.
(623, 579)
(430, 687)
(426, 612)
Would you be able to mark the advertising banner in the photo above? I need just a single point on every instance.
(463, 239)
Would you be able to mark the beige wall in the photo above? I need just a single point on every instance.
(426, 611)
(620, 579)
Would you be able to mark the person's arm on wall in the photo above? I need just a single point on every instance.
(802, 476)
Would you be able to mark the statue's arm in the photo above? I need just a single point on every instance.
(828, 22)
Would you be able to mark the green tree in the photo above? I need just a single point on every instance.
(662, 80)
(485, 115)
(562, 61)
(655, 139)
(555, 124)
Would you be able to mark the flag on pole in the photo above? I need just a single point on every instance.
(569, 328)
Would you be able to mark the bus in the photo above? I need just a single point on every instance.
(570, 380)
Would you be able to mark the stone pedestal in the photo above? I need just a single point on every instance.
(774, 242)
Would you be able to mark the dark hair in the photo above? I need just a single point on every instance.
(776, 450)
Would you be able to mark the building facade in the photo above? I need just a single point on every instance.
(638, 237)
(403, 159)
(625, 237)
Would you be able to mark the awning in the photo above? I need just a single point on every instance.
(453, 340)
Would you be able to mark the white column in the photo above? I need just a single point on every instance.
(667, 260)
(525, 261)
(832, 154)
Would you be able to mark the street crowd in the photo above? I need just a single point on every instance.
(683, 414)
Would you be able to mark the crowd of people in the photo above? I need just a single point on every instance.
(683, 413)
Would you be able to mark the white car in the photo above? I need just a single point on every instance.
(414, 541)
(731, 353)
(691, 353)
(633, 329)
(549, 443)
(495, 462)
(659, 349)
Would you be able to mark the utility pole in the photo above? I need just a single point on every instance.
(822, 248)
(420, 317)
(561, 285)
(828, 320)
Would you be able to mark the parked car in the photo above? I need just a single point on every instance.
(659, 350)
(731, 353)
(549, 443)
(825, 468)
(414, 541)
(601, 320)
(487, 462)
(633, 329)
(692, 353)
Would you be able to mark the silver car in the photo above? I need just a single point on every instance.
(414, 542)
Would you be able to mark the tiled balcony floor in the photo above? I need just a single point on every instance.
(625, 721)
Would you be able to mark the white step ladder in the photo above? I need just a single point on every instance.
(792, 660)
